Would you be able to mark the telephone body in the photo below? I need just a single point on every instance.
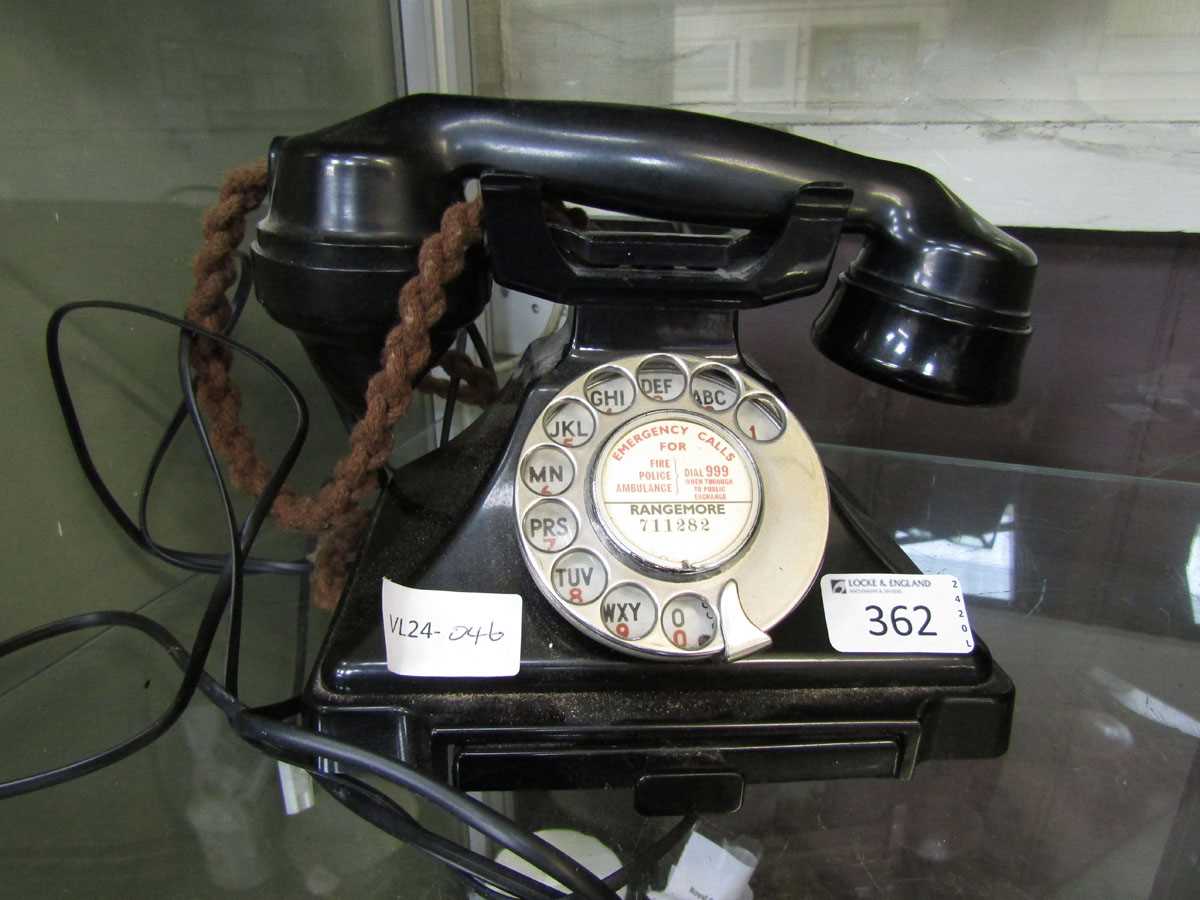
(639, 483)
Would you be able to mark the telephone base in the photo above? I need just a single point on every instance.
(684, 735)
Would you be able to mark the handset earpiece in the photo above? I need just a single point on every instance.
(922, 344)
(937, 302)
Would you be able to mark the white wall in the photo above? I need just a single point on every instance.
(1073, 113)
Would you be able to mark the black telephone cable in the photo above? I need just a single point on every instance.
(460, 344)
(228, 586)
(255, 728)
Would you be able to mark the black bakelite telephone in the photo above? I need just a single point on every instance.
(639, 484)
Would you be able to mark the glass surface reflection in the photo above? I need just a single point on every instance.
(1192, 574)
(984, 562)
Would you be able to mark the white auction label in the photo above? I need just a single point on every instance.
(451, 634)
(708, 870)
(890, 613)
(678, 492)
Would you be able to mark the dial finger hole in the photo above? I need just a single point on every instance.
(760, 417)
(714, 389)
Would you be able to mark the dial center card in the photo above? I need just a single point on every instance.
(677, 491)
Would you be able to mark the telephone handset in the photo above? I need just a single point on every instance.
(936, 303)
(639, 484)
(671, 507)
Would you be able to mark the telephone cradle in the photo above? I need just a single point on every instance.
(639, 483)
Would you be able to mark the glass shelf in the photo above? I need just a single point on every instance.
(1086, 588)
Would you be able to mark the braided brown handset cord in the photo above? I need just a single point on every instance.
(334, 514)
